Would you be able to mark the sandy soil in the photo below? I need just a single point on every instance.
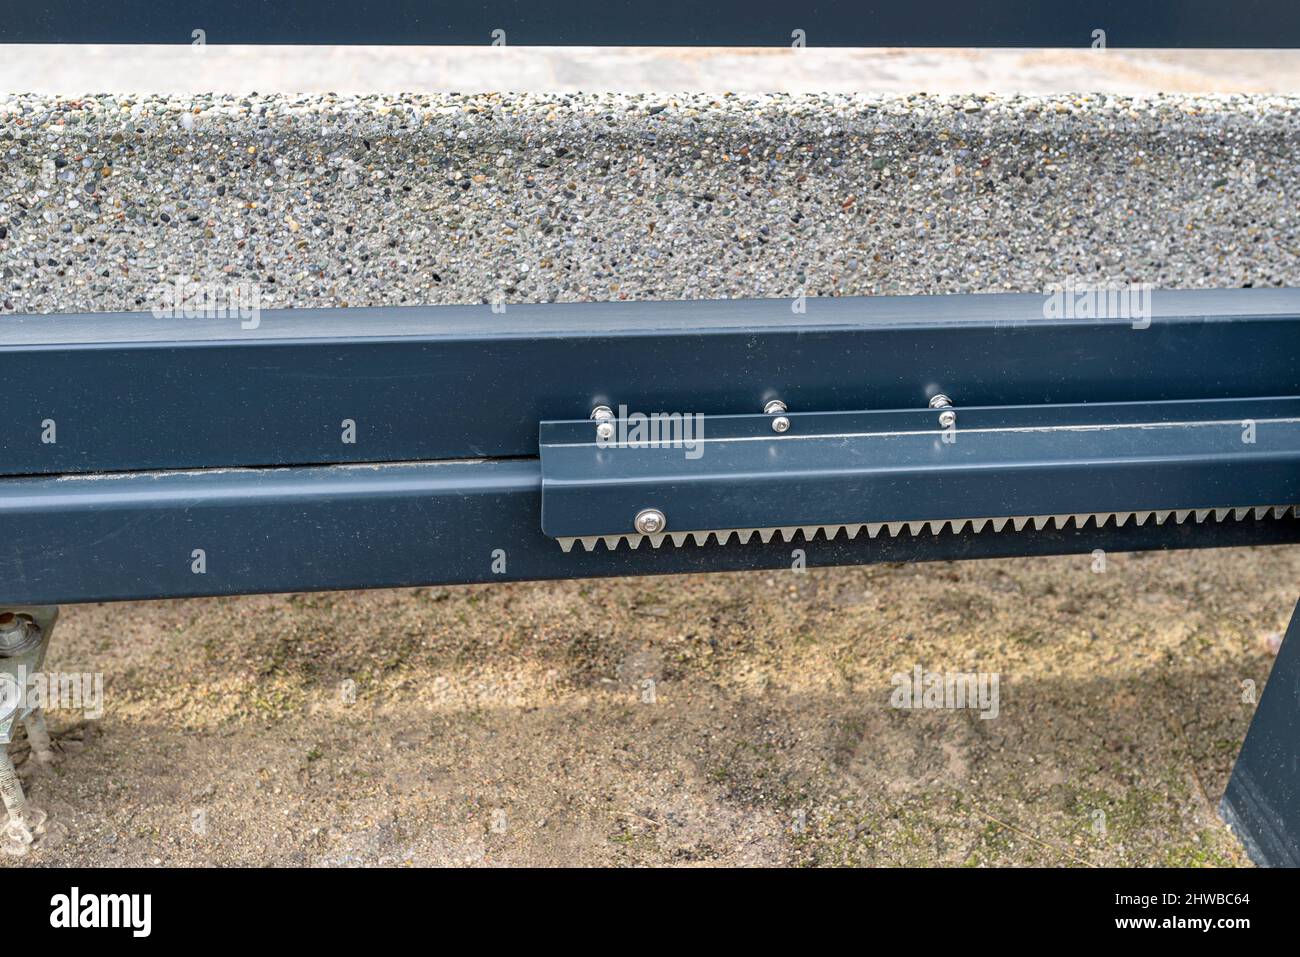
(516, 724)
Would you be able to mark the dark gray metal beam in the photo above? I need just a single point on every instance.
(175, 438)
(134, 536)
(131, 392)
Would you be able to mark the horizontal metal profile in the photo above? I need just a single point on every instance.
(144, 457)
(131, 392)
(134, 536)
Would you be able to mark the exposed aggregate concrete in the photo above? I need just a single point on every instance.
(385, 200)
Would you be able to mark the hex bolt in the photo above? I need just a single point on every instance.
(650, 521)
(18, 633)
(775, 407)
(603, 415)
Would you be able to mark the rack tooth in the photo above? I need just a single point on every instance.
(790, 533)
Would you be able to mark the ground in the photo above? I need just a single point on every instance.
(728, 719)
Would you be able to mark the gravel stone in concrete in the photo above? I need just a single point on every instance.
(353, 200)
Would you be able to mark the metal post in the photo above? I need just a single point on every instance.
(1262, 801)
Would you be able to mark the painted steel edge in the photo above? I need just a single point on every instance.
(139, 536)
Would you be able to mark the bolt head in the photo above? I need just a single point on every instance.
(947, 418)
(650, 521)
(605, 431)
(781, 424)
(18, 634)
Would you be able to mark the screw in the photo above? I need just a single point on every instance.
(774, 407)
(604, 416)
(650, 521)
(947, 417)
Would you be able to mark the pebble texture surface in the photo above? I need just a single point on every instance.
(329, 200)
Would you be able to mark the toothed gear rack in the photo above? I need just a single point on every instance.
(842, 475)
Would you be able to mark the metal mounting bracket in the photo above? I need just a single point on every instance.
(731, 476)
(24, 637)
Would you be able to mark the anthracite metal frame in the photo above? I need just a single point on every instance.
(176, 435)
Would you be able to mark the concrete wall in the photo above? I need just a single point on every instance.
(342, 200)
